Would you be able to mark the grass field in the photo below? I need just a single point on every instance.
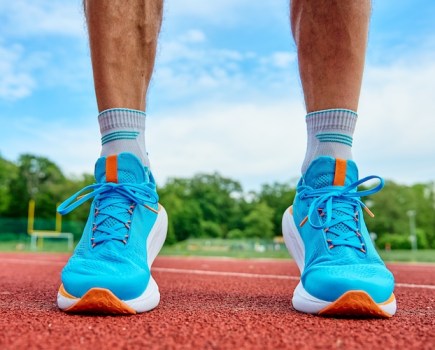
(211, 247)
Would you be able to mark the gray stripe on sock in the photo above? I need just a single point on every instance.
(121, 118)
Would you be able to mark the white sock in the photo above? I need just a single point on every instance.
(329, 133)
(123, 130)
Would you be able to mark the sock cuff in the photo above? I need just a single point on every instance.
(333, 119)
(121, 118)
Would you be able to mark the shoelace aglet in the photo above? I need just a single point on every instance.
(82, 195)
(368, 211)
(149, 208)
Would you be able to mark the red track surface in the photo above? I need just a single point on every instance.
(207, 304)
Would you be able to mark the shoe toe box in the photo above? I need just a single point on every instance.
(126, 281)
(329, 283)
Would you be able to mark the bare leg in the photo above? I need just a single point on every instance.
(325, 225)
(331, 37)
(125, 209)
(123, 39)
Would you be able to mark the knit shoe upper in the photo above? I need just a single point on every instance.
(339, 253)
(112, 252)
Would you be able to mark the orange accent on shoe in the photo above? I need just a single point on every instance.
(340, 172)
(112, 168)
(101, 301)
(303, 221)
(390, 299)
(291, 209)
(64, 293)
(356, 303)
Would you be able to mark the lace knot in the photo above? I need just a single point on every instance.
(335, 210)
(114, 207)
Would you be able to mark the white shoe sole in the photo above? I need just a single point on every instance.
(101, 300)
(353, 303)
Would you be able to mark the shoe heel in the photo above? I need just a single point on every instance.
(157, 236)
(292, 239)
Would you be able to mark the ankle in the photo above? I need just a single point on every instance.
(123, 130)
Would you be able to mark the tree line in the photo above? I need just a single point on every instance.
(208, 205)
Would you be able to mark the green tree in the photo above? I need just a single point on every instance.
(75, 221)
(235, 234)
(424, 205)
(40, 179)
(211, 229)
(391, 206)
(218, 198)
(207, 205)
(8, 173)
(278, 196)
(258, 223)
(184, 213)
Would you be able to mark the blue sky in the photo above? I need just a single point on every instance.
(225, 94)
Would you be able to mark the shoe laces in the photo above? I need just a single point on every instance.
(113, 209)
(337, 210)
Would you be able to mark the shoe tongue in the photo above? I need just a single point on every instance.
(327, 171)
(120, 168)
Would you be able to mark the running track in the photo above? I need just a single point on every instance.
(207, 304)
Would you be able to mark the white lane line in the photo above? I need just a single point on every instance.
(31, 261)
(256, 275)
(204, 272)
(412, 285)
(224, 273)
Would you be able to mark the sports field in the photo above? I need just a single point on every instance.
(207, 303)
(201, 247)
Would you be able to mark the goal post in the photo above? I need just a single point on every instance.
(37, 236)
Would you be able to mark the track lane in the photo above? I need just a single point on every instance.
(211, 310)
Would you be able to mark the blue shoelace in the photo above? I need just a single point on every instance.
(338, 207)
(115, 203)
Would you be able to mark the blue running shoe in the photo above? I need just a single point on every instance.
(109, 271)
(324, 230)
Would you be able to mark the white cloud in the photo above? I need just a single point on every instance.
(225, 12)
(15, 80)
(263, 140)
(238, 112)
(193, 36)
(193, 69)
(42, 17)
(24, 67)
(283, 59)
(395, 133)
(255, 142)
(74, 146)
